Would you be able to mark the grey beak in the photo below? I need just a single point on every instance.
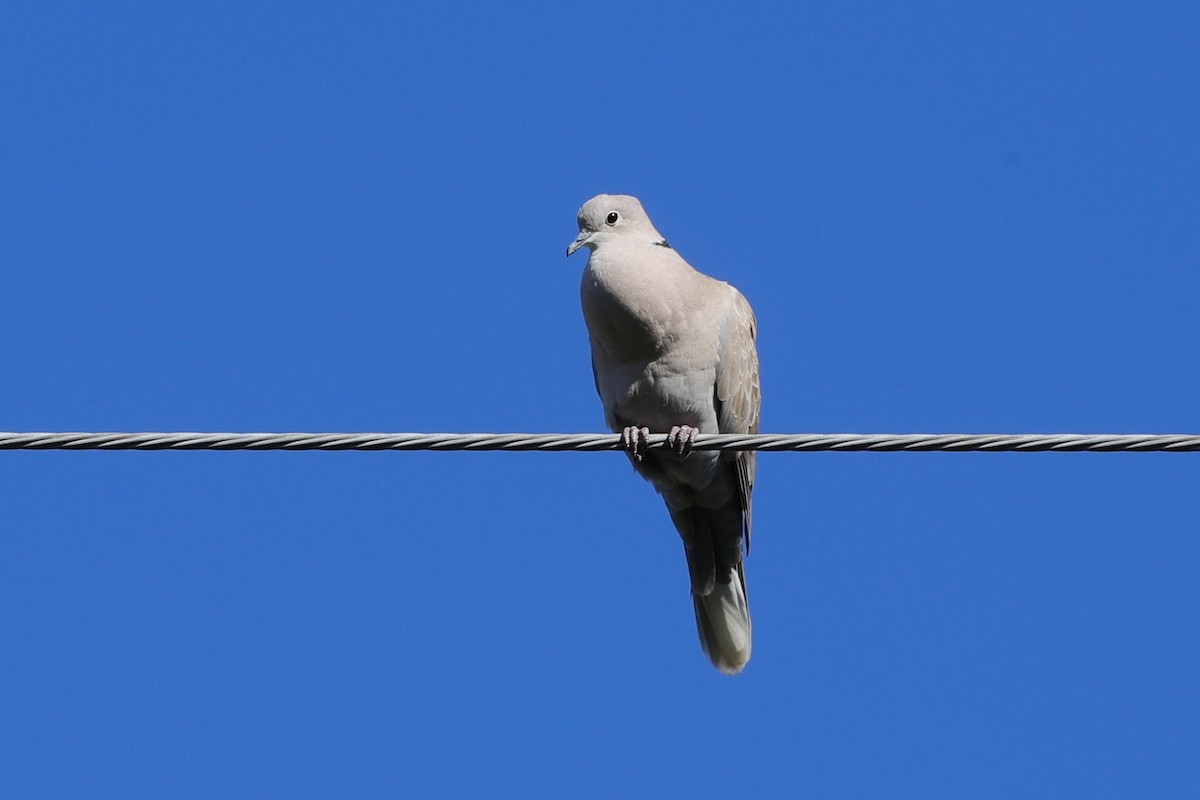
(580, 241)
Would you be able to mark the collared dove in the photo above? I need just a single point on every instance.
(673, 352)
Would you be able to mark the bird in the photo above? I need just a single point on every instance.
(673, 351)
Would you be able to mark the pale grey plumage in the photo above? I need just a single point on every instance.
(673, 347)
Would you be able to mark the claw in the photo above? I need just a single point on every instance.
(681, 438)
(636, 441)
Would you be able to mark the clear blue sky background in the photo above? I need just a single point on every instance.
(246, 217)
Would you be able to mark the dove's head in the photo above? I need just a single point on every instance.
(608, 217)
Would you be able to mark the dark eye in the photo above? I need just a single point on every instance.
(612, 217)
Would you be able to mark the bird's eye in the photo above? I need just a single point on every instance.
(612, 217)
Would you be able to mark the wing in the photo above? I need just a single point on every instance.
(739, 397)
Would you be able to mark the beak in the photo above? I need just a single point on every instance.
(580, 241)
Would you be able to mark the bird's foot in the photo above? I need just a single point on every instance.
(636, 441)
(681, 438)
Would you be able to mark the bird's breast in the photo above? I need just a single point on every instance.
(624, 317)
(653, 366)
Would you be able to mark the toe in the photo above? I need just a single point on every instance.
(681, 439)
(634, 440)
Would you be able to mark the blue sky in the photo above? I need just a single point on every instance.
(948, 217)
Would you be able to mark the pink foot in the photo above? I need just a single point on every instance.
(636, 441)
(681, 438)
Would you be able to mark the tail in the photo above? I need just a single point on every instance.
(723, 622)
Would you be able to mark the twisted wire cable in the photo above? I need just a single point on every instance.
(588, 442)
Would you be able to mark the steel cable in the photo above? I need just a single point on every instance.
(587, 442)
